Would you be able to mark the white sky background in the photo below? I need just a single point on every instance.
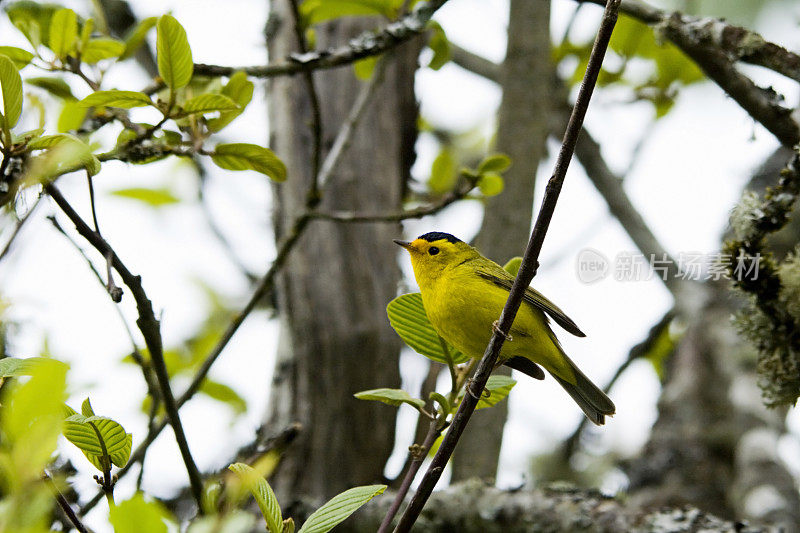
(685, 180)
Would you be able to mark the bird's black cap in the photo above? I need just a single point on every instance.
(438, 236)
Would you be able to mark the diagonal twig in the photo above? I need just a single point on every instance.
(150, 328)
(525, 275)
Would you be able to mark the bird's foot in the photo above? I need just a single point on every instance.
(496, 329)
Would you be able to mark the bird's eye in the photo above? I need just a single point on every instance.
(433, 250)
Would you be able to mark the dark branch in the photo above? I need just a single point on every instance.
(526, 272)
(150, 328)
(365, 45)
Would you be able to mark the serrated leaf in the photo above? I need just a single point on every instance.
(48, 141)
(339, 508)
(223, 393)
(86, 431)
(393, 397)
(15, 367)
(498, 386)
(491, 184)
(443, 172)
(240, 90)
(174, 55)
(137, 36)
(151, 197)
(245, 156)
(100, 49)
(408, 318)
(11, 85)
(116, 98)
(207, 103)
(63, 32)
(19, 56)
(55, 86)
(494, 163)
(263, 494)
(137, 515)
(86, 408)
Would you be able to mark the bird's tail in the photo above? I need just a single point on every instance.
(588, 396)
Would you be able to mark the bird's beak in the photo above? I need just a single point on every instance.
(404, 244)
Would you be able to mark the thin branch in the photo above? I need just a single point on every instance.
(526, 272)
(152, 385)
(345, 134)
(715, 46)
(18, 227)
(417, 453)
(637, 352)
(150, 328)
(367, 44)
(475, 63)
(64, 505)
(313, 197)
(417, 212)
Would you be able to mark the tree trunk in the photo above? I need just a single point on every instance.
(526, 76)
(335, 337)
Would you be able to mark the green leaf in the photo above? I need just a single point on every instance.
(55, 86)
(63, 32)
(339, 508)
(90, 433)
(86, 34)
(71, 117)
(440, 46)
(316, 11)
(223, 393)
(263, 494)
(11, 85)
(494, 163)
(240, 90)
(116, 98)
(408, 318)
(137, 515)
(512, 267)
(442, 401)
(99, 49)
(364, 68)
(15, 367)
(31, 421)
(207, 103)
(498, 387)
(443, 172)
(174, 55)
(151, 197)
(490, 183)
(394, 397)
(244, 156)
(48, 141)
(19, 56)
(137, 36)
(32, 19)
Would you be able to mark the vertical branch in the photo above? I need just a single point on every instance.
(314, 194)
(526, 272)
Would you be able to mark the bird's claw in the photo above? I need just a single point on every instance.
(496, 329)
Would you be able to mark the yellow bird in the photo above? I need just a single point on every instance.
(464, 293)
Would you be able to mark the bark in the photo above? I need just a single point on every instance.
(473, 507)
(335, 337)
(522, 134)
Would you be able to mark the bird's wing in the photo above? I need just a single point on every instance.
(534, 298)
